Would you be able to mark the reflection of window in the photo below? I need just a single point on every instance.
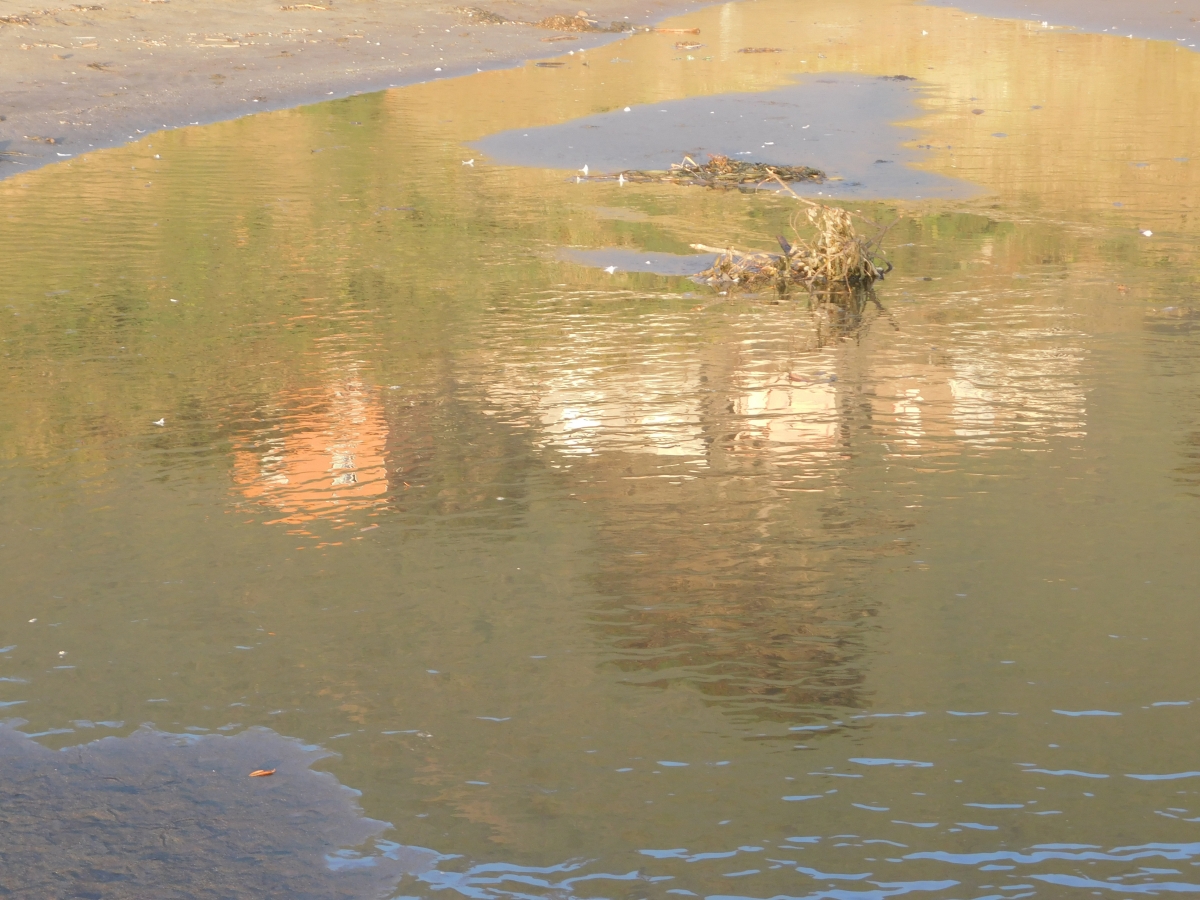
(348, 478)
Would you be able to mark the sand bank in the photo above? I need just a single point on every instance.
(78, 77)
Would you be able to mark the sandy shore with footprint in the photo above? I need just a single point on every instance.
(96, 74)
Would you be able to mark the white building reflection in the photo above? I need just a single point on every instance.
(656, 387)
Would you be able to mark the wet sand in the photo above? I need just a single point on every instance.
(78, 77)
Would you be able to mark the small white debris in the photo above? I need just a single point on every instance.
(469, 162)
(584, 170)
(610, 269)
(621, 178)
(62, 652)
(1147, 233)
(627, 109)
(161, 422)
(31, 621)
(173, 300)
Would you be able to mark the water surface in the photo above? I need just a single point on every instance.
(599, 583)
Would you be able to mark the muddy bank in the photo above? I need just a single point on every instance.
(174, 815)
(78, 77)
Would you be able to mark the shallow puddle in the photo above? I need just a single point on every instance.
(840, 125)
(600, 583)
(1164, 20)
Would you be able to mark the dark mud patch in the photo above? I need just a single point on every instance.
(838, 124)
(165, 816)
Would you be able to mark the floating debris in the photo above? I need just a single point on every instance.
(688, 45)
(676, 30)
(549, 65)
(723, 172)
(897, 78)
(834, 259)
(761, 50)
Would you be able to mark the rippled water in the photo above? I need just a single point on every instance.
(601, 584)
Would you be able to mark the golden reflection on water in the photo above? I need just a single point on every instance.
(1087, 121)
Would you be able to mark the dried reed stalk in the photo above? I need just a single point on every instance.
(835, 258)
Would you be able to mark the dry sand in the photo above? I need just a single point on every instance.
(100, 73)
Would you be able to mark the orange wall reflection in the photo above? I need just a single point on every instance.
(321, 455)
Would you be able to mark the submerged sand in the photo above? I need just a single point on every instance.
(77, 77)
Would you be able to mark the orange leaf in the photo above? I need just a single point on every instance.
(262, 773)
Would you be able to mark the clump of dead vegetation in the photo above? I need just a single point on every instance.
(722, 172)
(580, 22)
(826, 255)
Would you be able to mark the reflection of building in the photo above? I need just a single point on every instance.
(587, 400)
(993, 388)
(319, 454)
(737, 503)
(788, 410)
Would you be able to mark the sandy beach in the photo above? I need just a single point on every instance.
(83, 76)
